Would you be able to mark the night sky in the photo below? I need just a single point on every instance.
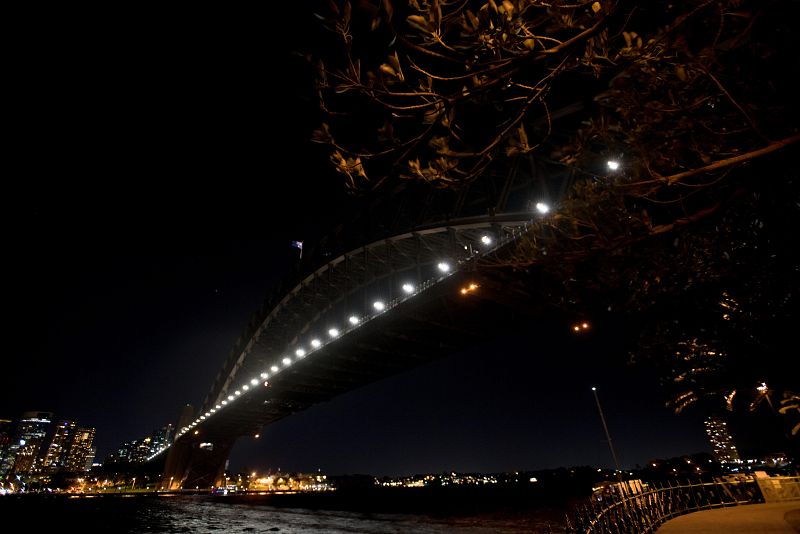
(152, 212)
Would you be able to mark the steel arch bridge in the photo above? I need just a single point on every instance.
(375, 310)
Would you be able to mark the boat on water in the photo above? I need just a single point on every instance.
(224, 490)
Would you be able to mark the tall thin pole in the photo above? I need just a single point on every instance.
(605, 427)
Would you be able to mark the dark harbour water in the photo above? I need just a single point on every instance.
(214, 515)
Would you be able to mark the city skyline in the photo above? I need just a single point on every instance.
(39, 444)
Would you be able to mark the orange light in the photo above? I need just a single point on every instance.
(580, 326)
(471, 287)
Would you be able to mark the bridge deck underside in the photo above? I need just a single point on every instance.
(434, 324)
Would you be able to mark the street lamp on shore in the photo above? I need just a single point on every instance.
(605, 428)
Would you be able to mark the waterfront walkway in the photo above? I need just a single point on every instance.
(771, 518)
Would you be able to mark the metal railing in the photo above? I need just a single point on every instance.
(633, 507)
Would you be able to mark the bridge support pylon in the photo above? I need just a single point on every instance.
(195, 464)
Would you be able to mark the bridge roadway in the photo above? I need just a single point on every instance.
(261, 384)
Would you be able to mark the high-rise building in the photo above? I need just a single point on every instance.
(721, 440)
(6, 433)
(24, 450)
(81, 452)
(90, 458)
(141, 450)
(133, 451)
(56, 455)
(161, 438)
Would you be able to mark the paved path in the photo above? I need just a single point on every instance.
(772, 518)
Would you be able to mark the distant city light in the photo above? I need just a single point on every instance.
(254, 381)
(333, 332)
(316, 343)
(762, 388)
(443, 266)
(353, 319)
(287, 361)
(542, 208)
(257, 436)
(580, 326)
(301, 352)
(408, 288)
(378, 305)
(196, 432)
(613, 164)
(595, 389)
(274, 368)
(486, 240)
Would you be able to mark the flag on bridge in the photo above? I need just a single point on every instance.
(298, 244)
